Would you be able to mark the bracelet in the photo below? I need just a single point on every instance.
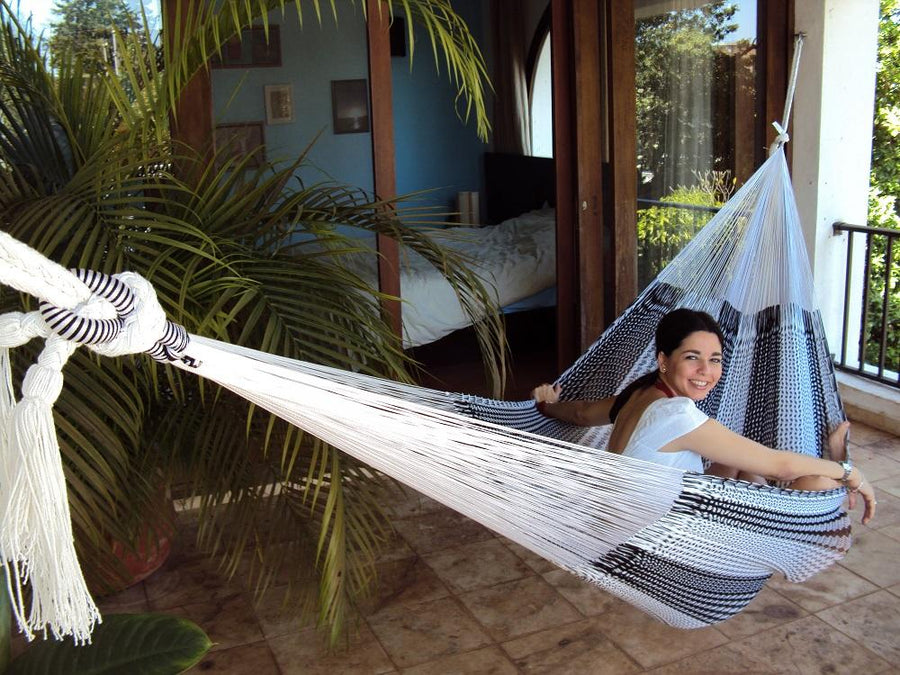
(848, 469)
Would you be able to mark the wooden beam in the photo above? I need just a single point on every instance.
(622, 113)
(775, 29)
(192, 120)
(383, 158)
(589, 144)
(567, 297)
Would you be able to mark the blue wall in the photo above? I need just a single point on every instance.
(434, 149)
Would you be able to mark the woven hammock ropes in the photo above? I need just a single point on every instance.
(687, 548)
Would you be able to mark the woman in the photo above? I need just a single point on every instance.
(656, 418)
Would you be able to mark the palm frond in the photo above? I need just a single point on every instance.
(90, 176)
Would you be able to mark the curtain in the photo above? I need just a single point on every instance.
(512, 124)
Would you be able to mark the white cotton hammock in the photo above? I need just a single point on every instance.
(689, 549)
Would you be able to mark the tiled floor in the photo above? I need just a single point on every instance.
(454, 598)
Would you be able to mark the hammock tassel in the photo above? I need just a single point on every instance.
(35, 530)
(113, 315)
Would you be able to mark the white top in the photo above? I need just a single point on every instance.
(663, 421)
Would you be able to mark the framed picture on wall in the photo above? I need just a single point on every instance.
(240, 140)
(279, 103)
(350, 106)
(251, 49)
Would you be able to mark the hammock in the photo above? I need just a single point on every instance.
(689, 549)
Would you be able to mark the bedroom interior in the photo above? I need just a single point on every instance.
(435, 156)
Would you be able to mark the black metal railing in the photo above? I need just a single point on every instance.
(664, 228)
(878, 341)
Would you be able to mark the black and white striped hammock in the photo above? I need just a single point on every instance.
(689, 549)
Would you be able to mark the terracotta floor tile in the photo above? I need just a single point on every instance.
(830, 587)
(807, 646)
(892, 531)
(575, 649)
(873, 620)
(395, 548)
(229, 621)
(425, 631)
(862, 434)
(874, 556)
(440, 530)
(130, 601)
(652, 643)
(889, 446)
(768, 609)
(404, 502)
(403, 582)
(519, 607)
(256, 659)
(588, 598)
(477, 565)
(487, 661)
(306, 653)
(889, 485)
(538, 563)
(277, 613)
(178, 584)
(875, 465)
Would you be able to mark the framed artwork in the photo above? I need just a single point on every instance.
(279, 103)
(350, 106)
(252, 49)
(237, 141)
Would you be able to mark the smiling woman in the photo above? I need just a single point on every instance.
(655, 418)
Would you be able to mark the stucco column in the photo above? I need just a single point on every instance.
(832, 137)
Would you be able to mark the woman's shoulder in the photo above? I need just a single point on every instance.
(663, 409)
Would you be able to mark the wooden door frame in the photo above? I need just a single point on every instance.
(597, 240)
(383, 155)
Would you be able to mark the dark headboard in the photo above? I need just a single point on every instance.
(515, 184)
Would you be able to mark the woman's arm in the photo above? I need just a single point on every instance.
(582, 413)
(719, 444)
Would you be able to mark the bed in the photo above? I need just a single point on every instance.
(515, 258)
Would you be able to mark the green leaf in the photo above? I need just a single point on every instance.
(137, 644)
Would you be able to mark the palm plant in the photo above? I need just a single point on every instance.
(90, 176)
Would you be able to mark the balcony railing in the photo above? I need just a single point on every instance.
(871, 347)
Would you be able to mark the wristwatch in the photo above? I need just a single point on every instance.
(847, 467)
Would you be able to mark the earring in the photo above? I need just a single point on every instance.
(663, 369)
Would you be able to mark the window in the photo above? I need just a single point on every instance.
(695, 71)
(542, 101)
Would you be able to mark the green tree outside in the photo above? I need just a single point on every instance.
(884, 192)
(86, 29)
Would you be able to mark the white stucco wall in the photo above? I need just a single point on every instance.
(832, 136)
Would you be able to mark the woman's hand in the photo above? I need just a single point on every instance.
(837, 442)
(864, 488)
(546, 393)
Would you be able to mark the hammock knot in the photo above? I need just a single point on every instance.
(782, 138)
(122, 316)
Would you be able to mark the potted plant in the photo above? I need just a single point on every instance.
(90, 177)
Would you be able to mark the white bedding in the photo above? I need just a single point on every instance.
(516, 258)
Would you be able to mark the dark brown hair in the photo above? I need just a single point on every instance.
(671, 331)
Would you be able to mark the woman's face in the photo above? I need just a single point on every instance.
(695, 367)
